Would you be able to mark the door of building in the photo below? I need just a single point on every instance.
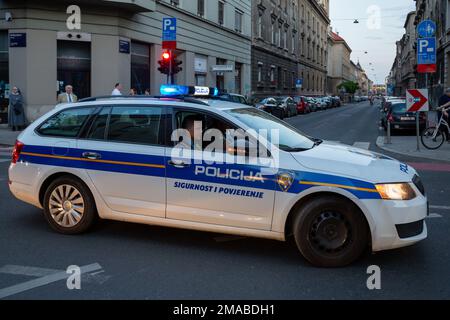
(74, 67)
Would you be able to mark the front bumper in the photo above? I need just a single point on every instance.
(397, 224)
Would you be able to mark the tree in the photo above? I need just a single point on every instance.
(349, 86)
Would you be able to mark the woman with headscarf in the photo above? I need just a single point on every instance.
(16, 111)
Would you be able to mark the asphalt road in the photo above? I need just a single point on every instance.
(143, 262)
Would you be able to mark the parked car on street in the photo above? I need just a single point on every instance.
(396, 113)
(289, 106)
(271, 106)
(322, 104)
(313, 104)
(302, 105)
(232, 97)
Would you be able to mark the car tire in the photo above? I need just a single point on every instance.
(69, 206)
(330, 231)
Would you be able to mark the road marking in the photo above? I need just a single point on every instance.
(5, 160)
(362, 145)
(42, 272)
(438, 167)
(440, 207)
(434, 216)
(43, 281)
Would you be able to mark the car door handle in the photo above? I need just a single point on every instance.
(91, 155)
(178, 164)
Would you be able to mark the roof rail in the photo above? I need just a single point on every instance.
(172, 98)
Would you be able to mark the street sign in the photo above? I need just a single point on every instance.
(417, 100)
(17, 40)
(169, 33)
(299, 83)
(426, 29)
(426, 55)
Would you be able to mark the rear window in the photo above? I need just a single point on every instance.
(399, 108)
(67, 123)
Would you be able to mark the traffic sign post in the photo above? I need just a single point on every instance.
(417, 101)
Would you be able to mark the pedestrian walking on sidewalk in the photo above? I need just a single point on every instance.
(16, 113)
(444, 103)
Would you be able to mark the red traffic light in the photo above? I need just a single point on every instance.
(166, 55)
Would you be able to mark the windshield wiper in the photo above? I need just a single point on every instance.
(317, 142)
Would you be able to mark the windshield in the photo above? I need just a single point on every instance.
(290, 139)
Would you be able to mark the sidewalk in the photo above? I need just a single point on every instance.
(7, 137)
(407, 145)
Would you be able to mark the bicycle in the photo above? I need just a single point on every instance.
(434, 137)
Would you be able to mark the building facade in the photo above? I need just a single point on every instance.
(339, 64)
(289, 50)
(403, 75)
(119, 41)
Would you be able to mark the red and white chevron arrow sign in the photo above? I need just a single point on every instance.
(417, 100)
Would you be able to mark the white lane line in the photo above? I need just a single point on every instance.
(42, 281)
(4, 160)
(42, 272)
(434, 216)
(28, 271)
(440, 207)
(362, 145)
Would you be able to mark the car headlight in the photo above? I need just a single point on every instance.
(396, 191)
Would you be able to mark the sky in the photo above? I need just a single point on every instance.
(381, 24)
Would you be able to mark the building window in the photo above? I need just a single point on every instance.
(238, 21)
(259, 26)
(293, 43)
(279, 35)
(140, 67)
(272, 30)
(221, 12)
(175, 3)
(260, 72)
(272, 75)
(285, 39)
(201, 8)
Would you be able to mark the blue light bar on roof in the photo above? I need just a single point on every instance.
(172, 90)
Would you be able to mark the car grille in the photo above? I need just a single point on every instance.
(418, 183)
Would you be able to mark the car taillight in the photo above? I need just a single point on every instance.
(16, 151)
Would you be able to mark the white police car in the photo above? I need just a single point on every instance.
(114, 158)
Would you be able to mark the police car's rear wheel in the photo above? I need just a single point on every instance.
(330, 232)
(69, 206)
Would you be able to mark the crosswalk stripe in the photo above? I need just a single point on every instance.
(434, 216)
(362, 145)
(4, 160)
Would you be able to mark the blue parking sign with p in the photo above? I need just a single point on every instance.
(169, 29)
(426, 51)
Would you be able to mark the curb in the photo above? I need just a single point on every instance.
(380, 144)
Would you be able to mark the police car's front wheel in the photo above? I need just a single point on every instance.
(69, 206)
(330, 231)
